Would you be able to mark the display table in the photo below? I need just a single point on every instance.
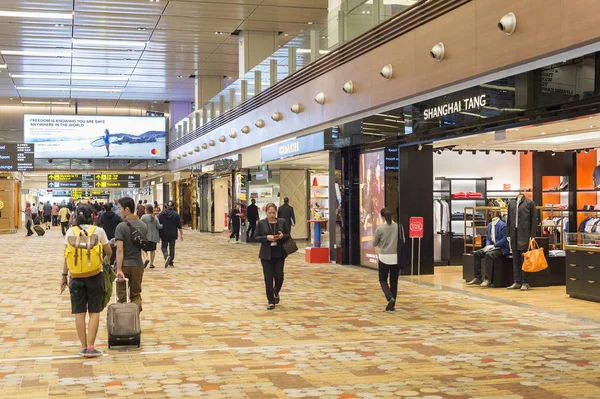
(583, 272)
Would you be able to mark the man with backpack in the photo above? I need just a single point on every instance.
(84, 246)
(128, 237)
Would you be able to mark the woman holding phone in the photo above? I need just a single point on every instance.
(272, 232)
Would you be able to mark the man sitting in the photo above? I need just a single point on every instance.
(496, 247)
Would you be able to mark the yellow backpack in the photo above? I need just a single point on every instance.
(84, 253)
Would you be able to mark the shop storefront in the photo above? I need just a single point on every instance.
(533, 134)
(215, 193)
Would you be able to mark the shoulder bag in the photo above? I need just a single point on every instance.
(534, 259)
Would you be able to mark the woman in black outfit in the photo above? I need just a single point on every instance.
(272, 232)
(109, 222)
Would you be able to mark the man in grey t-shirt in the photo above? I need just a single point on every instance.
(129, 258)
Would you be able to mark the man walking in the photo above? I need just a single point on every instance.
(47, 208)
(252, 216)
(64, 214)
(129, 257)
(286, 211)
(171, 223)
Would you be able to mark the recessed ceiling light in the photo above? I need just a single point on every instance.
(59, 25)
(3, 66)
(66, 88)
(179, 77)
(566, 130)
(286, 34)
(310, 22)
(107, 43)
(40, 15)
(141, 28)
(593, 126)
(218, 33)
(543, 133)
(37, 53)
(46, 102)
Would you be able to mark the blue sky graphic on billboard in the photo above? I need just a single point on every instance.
(96, 137)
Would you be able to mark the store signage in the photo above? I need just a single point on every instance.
(416, 227)
(291, 148)
(465, 104)
(391, 159)
(264, 175)
(100, 180)
(177, 176)
(208, 168)
(16, 157)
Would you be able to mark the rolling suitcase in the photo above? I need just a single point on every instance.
(123, 322)
(39, 230)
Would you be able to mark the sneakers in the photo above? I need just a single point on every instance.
(515, 286)
(525, 287)
(83, 352)
(146, 262)
(92, 353)
(277, 299)
(486, 284)
(167, 261)
(475, 281)
(391, 305)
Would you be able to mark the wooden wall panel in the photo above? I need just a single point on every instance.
(457, 31)
(361, 98)
(579, 21)
(495, 49)
(401, 54)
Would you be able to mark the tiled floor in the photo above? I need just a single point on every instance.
(207, 334)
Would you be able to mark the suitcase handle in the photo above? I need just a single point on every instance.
(126, 288)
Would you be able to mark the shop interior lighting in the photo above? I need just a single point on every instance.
(38, 15)
(37, 53)
(474, 152)
(69, 77)
(109, 43)
(69, 88)
(3, 66)
(45, 102)
(307, 51)
(460, 152)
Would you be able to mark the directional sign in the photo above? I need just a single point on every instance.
(116, 177)
(117, 184)
(16, 157)
(99, 180)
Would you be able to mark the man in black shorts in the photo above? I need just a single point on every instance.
(47, 214)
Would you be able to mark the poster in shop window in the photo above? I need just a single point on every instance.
(372, 200)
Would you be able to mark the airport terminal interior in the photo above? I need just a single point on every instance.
(326, 199)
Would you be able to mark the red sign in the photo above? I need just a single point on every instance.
(415, 227)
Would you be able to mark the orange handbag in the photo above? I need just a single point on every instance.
(534, 259)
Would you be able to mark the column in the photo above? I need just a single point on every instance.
(213, 114)
(185, 127)
(291, 60)
(376, 10)
(206, 88)
(244, 89)
(198, 117)
(255, 47)
(257, 82)
(314, 45)
(231, 98)
(221, 105)
(204, 115)
(272, 72)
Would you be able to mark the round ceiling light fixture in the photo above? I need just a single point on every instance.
(320, 98)
(260, 124)
(348, 87)
(211, 143)
(222, 139)
(204, 146)
(233, 134)
(197, 149)
(277, 116)
(387, 72)
(245, 130)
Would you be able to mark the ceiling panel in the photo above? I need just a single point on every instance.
(178, 39)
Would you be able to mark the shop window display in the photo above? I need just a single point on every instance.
(372, 200)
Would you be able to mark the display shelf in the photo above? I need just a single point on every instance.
(320, 197)
(469, 217)
(518, 190)
(319, 186)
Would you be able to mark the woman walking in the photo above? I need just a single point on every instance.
(152, 236)
(386, 239)
(272, 233)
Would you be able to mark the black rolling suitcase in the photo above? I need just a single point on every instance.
(123, 322)
(39, 230)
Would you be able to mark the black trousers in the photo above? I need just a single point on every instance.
(28, 226)
(517, 254)
(251, 228)
(393, 271)
(64, 226)
(273, 273)
(490, 256)
(170, 243)
(235, 231)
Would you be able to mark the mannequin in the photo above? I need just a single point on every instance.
(496, 247)
(596, 176)
(521, 227)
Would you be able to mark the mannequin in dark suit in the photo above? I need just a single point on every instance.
(272, 232)
(521, 226)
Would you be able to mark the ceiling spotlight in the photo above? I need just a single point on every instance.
(218, 33)
(233, 134)
(387, 72)
(526, 152)
(310, 23)
(178, 156)
(211, 143)
(260, 124)
(190, 152)
(420, 147)
(514, 152)
(553, 153)
(245, 130)
(508, 23)
(460, 152)
(277, 116)
(578, 151)
(222, 139)
(438, 51)
(586, 150)
(204, 146)
(197, 149)
(320, 98)
(50, 160)
(502, 152)
(59, 25)
(179, 77)
(141, 28)
(474, 152)
(543, 133)
(184, 154)
(487, 152)
(348, 87)
(296, 108)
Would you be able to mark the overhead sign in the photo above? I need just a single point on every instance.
(16, 157)
(291, 148)
(99, 180)
(462, 105)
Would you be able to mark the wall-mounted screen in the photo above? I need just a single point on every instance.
(96, 137)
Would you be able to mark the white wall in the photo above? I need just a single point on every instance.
(504, 168)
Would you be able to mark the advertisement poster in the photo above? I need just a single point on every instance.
(96, 137)
(372, 200)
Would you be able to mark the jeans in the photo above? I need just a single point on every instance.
(251, 228)
(135, 275)
(273, 273)
(64, 226)
(489, 256)
(171, 244)
(235, 232)
(390, 291)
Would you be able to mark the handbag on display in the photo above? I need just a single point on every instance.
(534, 259)
(289, 246)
